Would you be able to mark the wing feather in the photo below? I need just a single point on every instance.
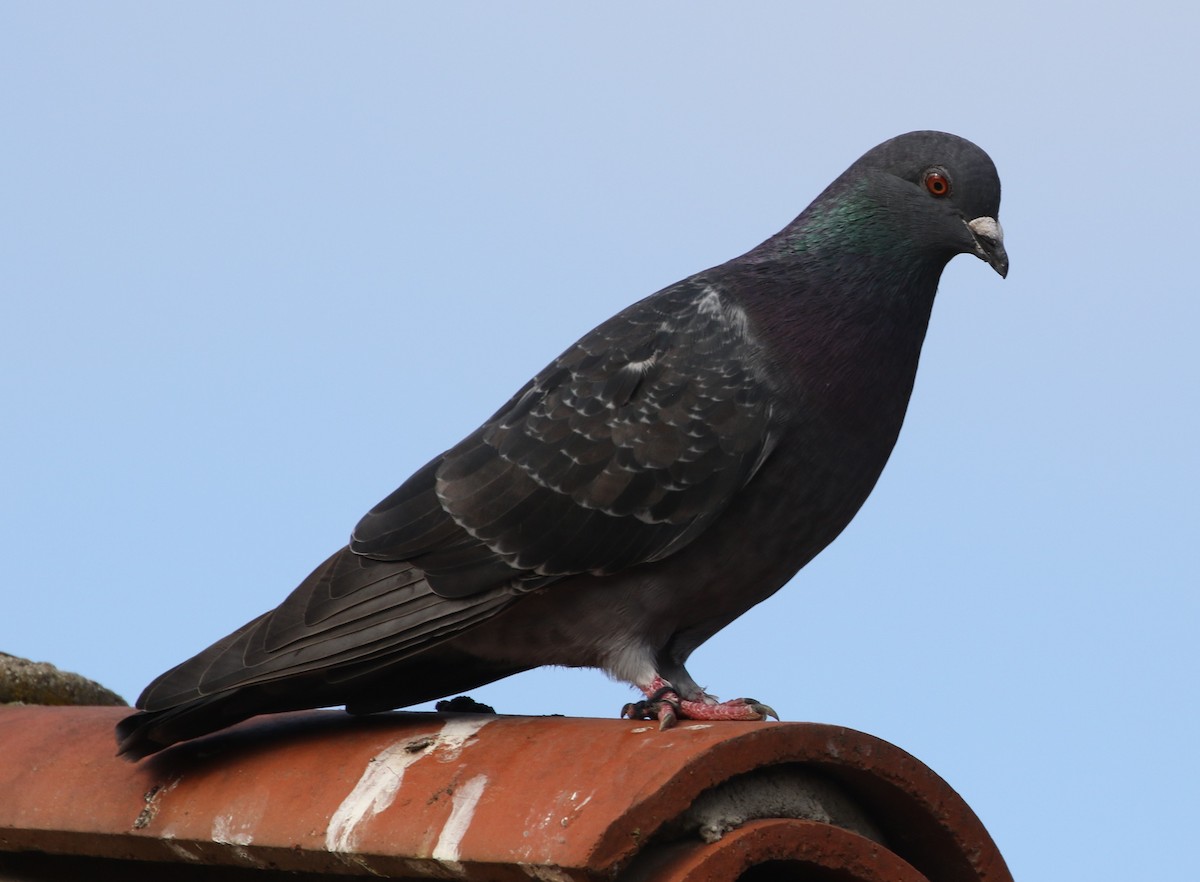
(622, 450)
(350, 610)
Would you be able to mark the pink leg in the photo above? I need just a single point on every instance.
(665, 705)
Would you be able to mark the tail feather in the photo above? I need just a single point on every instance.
(369, 687)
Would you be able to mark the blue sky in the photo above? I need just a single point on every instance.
(259, 262)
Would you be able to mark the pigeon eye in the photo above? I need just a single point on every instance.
(937, 183)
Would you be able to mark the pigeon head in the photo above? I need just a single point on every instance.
(937, 194)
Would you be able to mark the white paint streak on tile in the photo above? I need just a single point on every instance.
(373, 793)
(454, 735)
(575, 806)
(179, 849)
(465, 799)
(380, 782)
(224, 833)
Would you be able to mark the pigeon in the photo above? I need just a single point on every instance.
(672, 468)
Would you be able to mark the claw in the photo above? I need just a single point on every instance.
(635, 710)
(663, 703)
(668, 714)
(763, 710)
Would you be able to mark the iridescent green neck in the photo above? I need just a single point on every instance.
(850, 222)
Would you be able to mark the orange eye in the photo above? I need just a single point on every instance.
(937, 183)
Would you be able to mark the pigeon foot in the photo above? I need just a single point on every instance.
(664, 704)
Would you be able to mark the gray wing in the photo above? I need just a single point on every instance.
(620, 452)
(349, 617)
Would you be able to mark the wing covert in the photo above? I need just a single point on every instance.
(621, 451)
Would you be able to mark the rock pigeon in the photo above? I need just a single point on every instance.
(671, 469)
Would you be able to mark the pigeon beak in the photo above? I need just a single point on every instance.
(989, 243)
